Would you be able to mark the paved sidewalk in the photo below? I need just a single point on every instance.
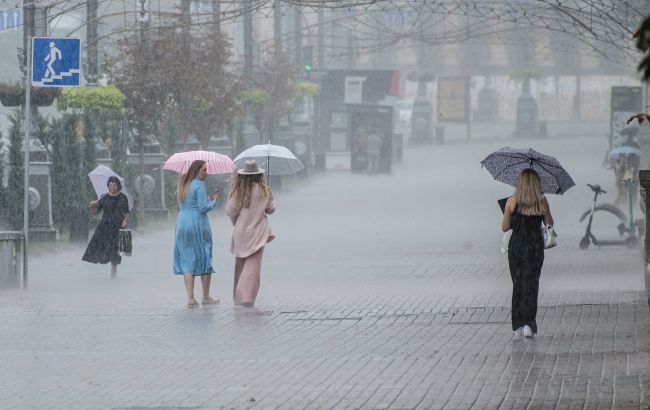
(381, 292)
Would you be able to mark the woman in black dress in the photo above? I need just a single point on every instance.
(103, 246)
(524, 213)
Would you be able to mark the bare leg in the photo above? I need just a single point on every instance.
(239, 266)
(189, 287)
(206, 278)
(113, 270)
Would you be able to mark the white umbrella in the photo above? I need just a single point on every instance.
(276, 159)
(99, 178)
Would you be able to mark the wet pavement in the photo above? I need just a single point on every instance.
(380, 292)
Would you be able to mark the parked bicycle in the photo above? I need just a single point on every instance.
(626, 227)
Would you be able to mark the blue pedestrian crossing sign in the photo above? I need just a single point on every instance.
(56, 62)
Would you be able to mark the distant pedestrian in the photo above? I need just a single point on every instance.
(103, 246)
(374, 152)
(249, 201)
(193, 237)
(524, 213)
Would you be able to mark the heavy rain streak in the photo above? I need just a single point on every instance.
(302, 204)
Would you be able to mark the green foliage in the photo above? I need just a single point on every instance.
(172, 78)
(39, 129)
(270, 96)
(106, 97)
(16, 182)
(117, 143)
(306, 89)
(87, 165)
(67, 178)
(102, 117)
(256, 96)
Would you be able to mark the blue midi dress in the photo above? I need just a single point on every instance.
(193, 240)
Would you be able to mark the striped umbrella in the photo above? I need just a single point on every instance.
(217, 163)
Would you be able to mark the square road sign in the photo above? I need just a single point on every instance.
(56, 62)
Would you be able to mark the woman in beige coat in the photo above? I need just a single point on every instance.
(249, 201)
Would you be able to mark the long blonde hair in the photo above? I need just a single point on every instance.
(184, 180)
(242, 186)
(528, 193)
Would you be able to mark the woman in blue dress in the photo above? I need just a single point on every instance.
(193, 239)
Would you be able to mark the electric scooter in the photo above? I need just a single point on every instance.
(626, 226)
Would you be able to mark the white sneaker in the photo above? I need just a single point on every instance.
(528, 332)
(519, 331)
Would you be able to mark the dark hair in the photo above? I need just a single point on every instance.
(116, 180)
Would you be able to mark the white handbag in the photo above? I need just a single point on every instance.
(550, 237)
(505, 241)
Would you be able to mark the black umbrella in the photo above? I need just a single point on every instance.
(506, 164)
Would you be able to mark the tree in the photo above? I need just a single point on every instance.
(643, 44)
(270, 96)
(103, 115)
(209, 94)
(16, 181)
(67, 177)
(168, 78)
(87, 165)
(642, 36)
(258, 100)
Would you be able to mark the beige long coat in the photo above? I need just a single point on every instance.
(251, 226)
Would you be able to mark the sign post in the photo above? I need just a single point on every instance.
(56, 62)
(51, 62)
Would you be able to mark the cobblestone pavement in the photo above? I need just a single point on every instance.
(381, 292)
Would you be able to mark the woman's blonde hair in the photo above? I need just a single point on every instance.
(528, 193)
(184, 180)
(242, 186)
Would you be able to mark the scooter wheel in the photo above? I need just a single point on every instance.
(584, 242)
(632, 242)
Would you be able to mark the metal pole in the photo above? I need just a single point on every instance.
(277, 28)
(321, 38)
(248, 41)
(216, 14)
(27, 127)
(298, 32)
(91, 39)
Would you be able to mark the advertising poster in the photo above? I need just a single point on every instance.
(453, 99)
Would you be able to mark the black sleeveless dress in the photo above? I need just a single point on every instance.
(102, 247)
(525, 258)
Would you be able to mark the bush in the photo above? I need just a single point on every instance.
(107, 97)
